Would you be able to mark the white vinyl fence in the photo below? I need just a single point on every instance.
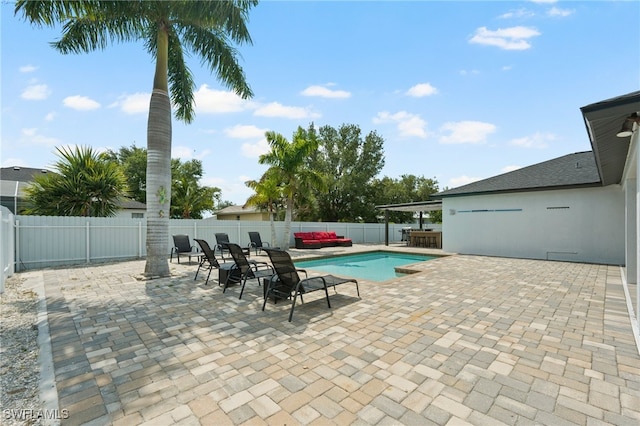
(6, 245)
(47, 241)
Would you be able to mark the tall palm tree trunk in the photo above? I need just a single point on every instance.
(287, 224)
(159, 166)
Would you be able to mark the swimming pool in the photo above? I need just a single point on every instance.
(373, 266)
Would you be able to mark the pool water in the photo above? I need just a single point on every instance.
(375, 266)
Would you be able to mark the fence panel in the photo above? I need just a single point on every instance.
(46, 241)
(6, 245)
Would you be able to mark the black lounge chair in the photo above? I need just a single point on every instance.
(182, 246)
(221, 239)
(288, 284)
(256, 242)
(249, 269)
(210, 262)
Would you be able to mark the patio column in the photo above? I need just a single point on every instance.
(386, 227)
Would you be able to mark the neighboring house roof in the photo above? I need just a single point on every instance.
(128, 203)
(573, 170)
(21, 174)
(25, 175)
(238, 210)
(604, 120)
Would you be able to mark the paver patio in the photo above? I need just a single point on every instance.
(468, 340)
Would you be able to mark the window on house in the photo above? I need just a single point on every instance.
(137, 215)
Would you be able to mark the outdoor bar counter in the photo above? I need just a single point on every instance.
(419, 238)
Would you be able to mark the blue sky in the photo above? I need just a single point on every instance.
(459, 91)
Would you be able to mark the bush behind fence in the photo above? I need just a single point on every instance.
(48, 241)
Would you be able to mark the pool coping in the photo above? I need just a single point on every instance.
(408, 269)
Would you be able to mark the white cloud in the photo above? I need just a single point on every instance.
(182, 152)
(234, 190)
(507, 169)
(10, 162)
(463, 132)
(507, 68)
(324, 92)
(28, 68)
(136, 103)
(254, 150)
(537, 140)
(245, 131)
(462, 180)
(50, 116)
(408, 124)
(469, 72)
(519, 13)
(276, 109)
(557, 12)
(30, 136)
(36, 92)
(543, 1)
(513, 38)
(421, 90)
(80, 103)
(210, 101)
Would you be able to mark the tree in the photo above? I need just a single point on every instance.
(85, 184)
(268, 196)
(205, 28)
(133, 162)
(189, 199)
(407, 189)
(350, 164)
(287, 161)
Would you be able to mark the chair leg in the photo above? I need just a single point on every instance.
(208, 275)
(244, 282)
(293, 305)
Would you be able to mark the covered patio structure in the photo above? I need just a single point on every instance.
(418, 206)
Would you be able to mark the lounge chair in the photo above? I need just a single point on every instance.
(288, 284)
(210, 262)
(248, 269)
(221, 238)
(256, 242)
(182, 246)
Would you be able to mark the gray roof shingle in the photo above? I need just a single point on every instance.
(572, 170)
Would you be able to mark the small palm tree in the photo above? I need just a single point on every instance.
(287, 161)
(205, 28)
(85, 184)
(267, 194)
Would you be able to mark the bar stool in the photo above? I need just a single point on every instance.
(432, 241)
(421, 241)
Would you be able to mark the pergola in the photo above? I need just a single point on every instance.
(418, 206)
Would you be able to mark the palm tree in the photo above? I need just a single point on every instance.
(205, 28)
(84, 184)
(287, 161)
(267, 194)
(189, 200)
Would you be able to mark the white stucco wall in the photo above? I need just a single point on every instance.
(581, 225)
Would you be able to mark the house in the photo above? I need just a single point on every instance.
(580, 207)
(242, 213)
(14, 180)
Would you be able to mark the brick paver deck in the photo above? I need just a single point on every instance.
(469, 340)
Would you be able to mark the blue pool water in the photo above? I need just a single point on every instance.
(374, 266)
